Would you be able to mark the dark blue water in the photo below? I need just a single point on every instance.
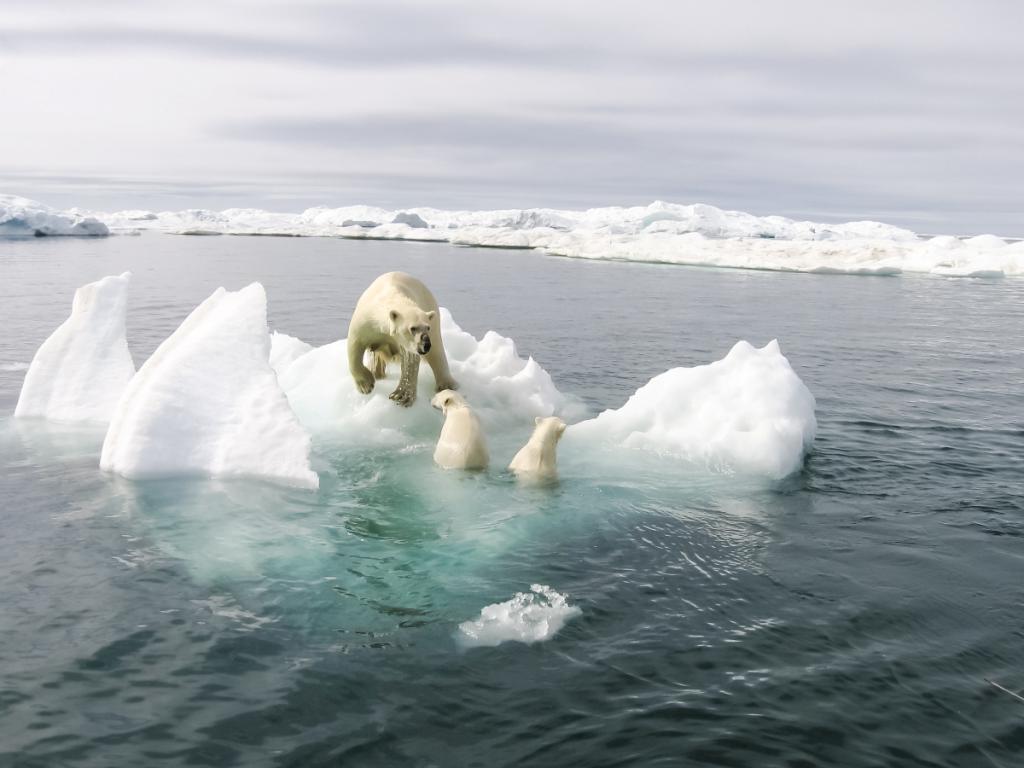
(846, 617)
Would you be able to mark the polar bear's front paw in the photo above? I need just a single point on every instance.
(364, 381)
(404, 397)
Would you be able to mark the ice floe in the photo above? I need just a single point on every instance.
(748, 412)
(208, 403)
(529, 617)
(20, 216)
(696, 235)
(222, 396)
(80, 371)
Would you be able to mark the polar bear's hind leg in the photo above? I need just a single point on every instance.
(381, 358)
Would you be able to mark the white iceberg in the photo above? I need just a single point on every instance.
(208, 403)
(747, 413)
(80, 371)
(504, 388)
(20, 216)
(285, 350)
(529, 617)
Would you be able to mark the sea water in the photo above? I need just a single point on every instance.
(848, 615)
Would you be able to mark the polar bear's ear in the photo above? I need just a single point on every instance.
(561, 428)
(538, 420)
(430, 316)
(394, 316)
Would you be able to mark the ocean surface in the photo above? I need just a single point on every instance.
(847, 616)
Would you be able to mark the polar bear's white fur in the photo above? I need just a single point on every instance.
(535, 461)
(396, 317)
(462, 444)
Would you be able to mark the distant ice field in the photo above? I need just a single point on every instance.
(644, 611)
(662, 232)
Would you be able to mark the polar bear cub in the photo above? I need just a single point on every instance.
(535, 461)
(397, 318)
(462, 444)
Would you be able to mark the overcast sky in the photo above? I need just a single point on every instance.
(908, 112)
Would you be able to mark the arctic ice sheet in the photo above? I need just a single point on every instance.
(698, 234)
(80, 371)
(208, 402)
(20, 216)
(748, 413)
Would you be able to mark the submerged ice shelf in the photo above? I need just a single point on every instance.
(699, 235)
(223, 396)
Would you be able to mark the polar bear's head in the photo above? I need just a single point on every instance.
(548, 429)
(411, 329)
(446, 399)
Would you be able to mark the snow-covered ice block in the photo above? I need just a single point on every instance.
(748, 413)
(80, 371)
(285, 350)
(208, 403)
(21, 216)
(503, 388)
(529, 617)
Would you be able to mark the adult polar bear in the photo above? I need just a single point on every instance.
(393, 319)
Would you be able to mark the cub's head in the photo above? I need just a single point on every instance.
(549, 428)
(411, 329)
(446, 399)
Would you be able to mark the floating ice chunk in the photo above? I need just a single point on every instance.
(80, 371)
(748, 413)
(502, 387)
(529, 617)
(285, 350)
(21, 216)
(208, 403)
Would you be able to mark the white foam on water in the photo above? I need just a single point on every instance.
(529, 617)
(10, 367)
(80, 371)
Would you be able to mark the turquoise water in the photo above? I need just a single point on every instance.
(848, 616)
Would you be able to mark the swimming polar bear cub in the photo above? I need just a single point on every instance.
(395, 318)
(535, 461)
(462, 444)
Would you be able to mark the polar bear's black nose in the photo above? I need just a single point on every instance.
(424, 345)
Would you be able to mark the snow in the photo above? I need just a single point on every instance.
(503, 388)
(208, 402)
(696, 235)
(748, 413)
(80, 371)
(20, 216)
(529, 617)
(285, 350)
